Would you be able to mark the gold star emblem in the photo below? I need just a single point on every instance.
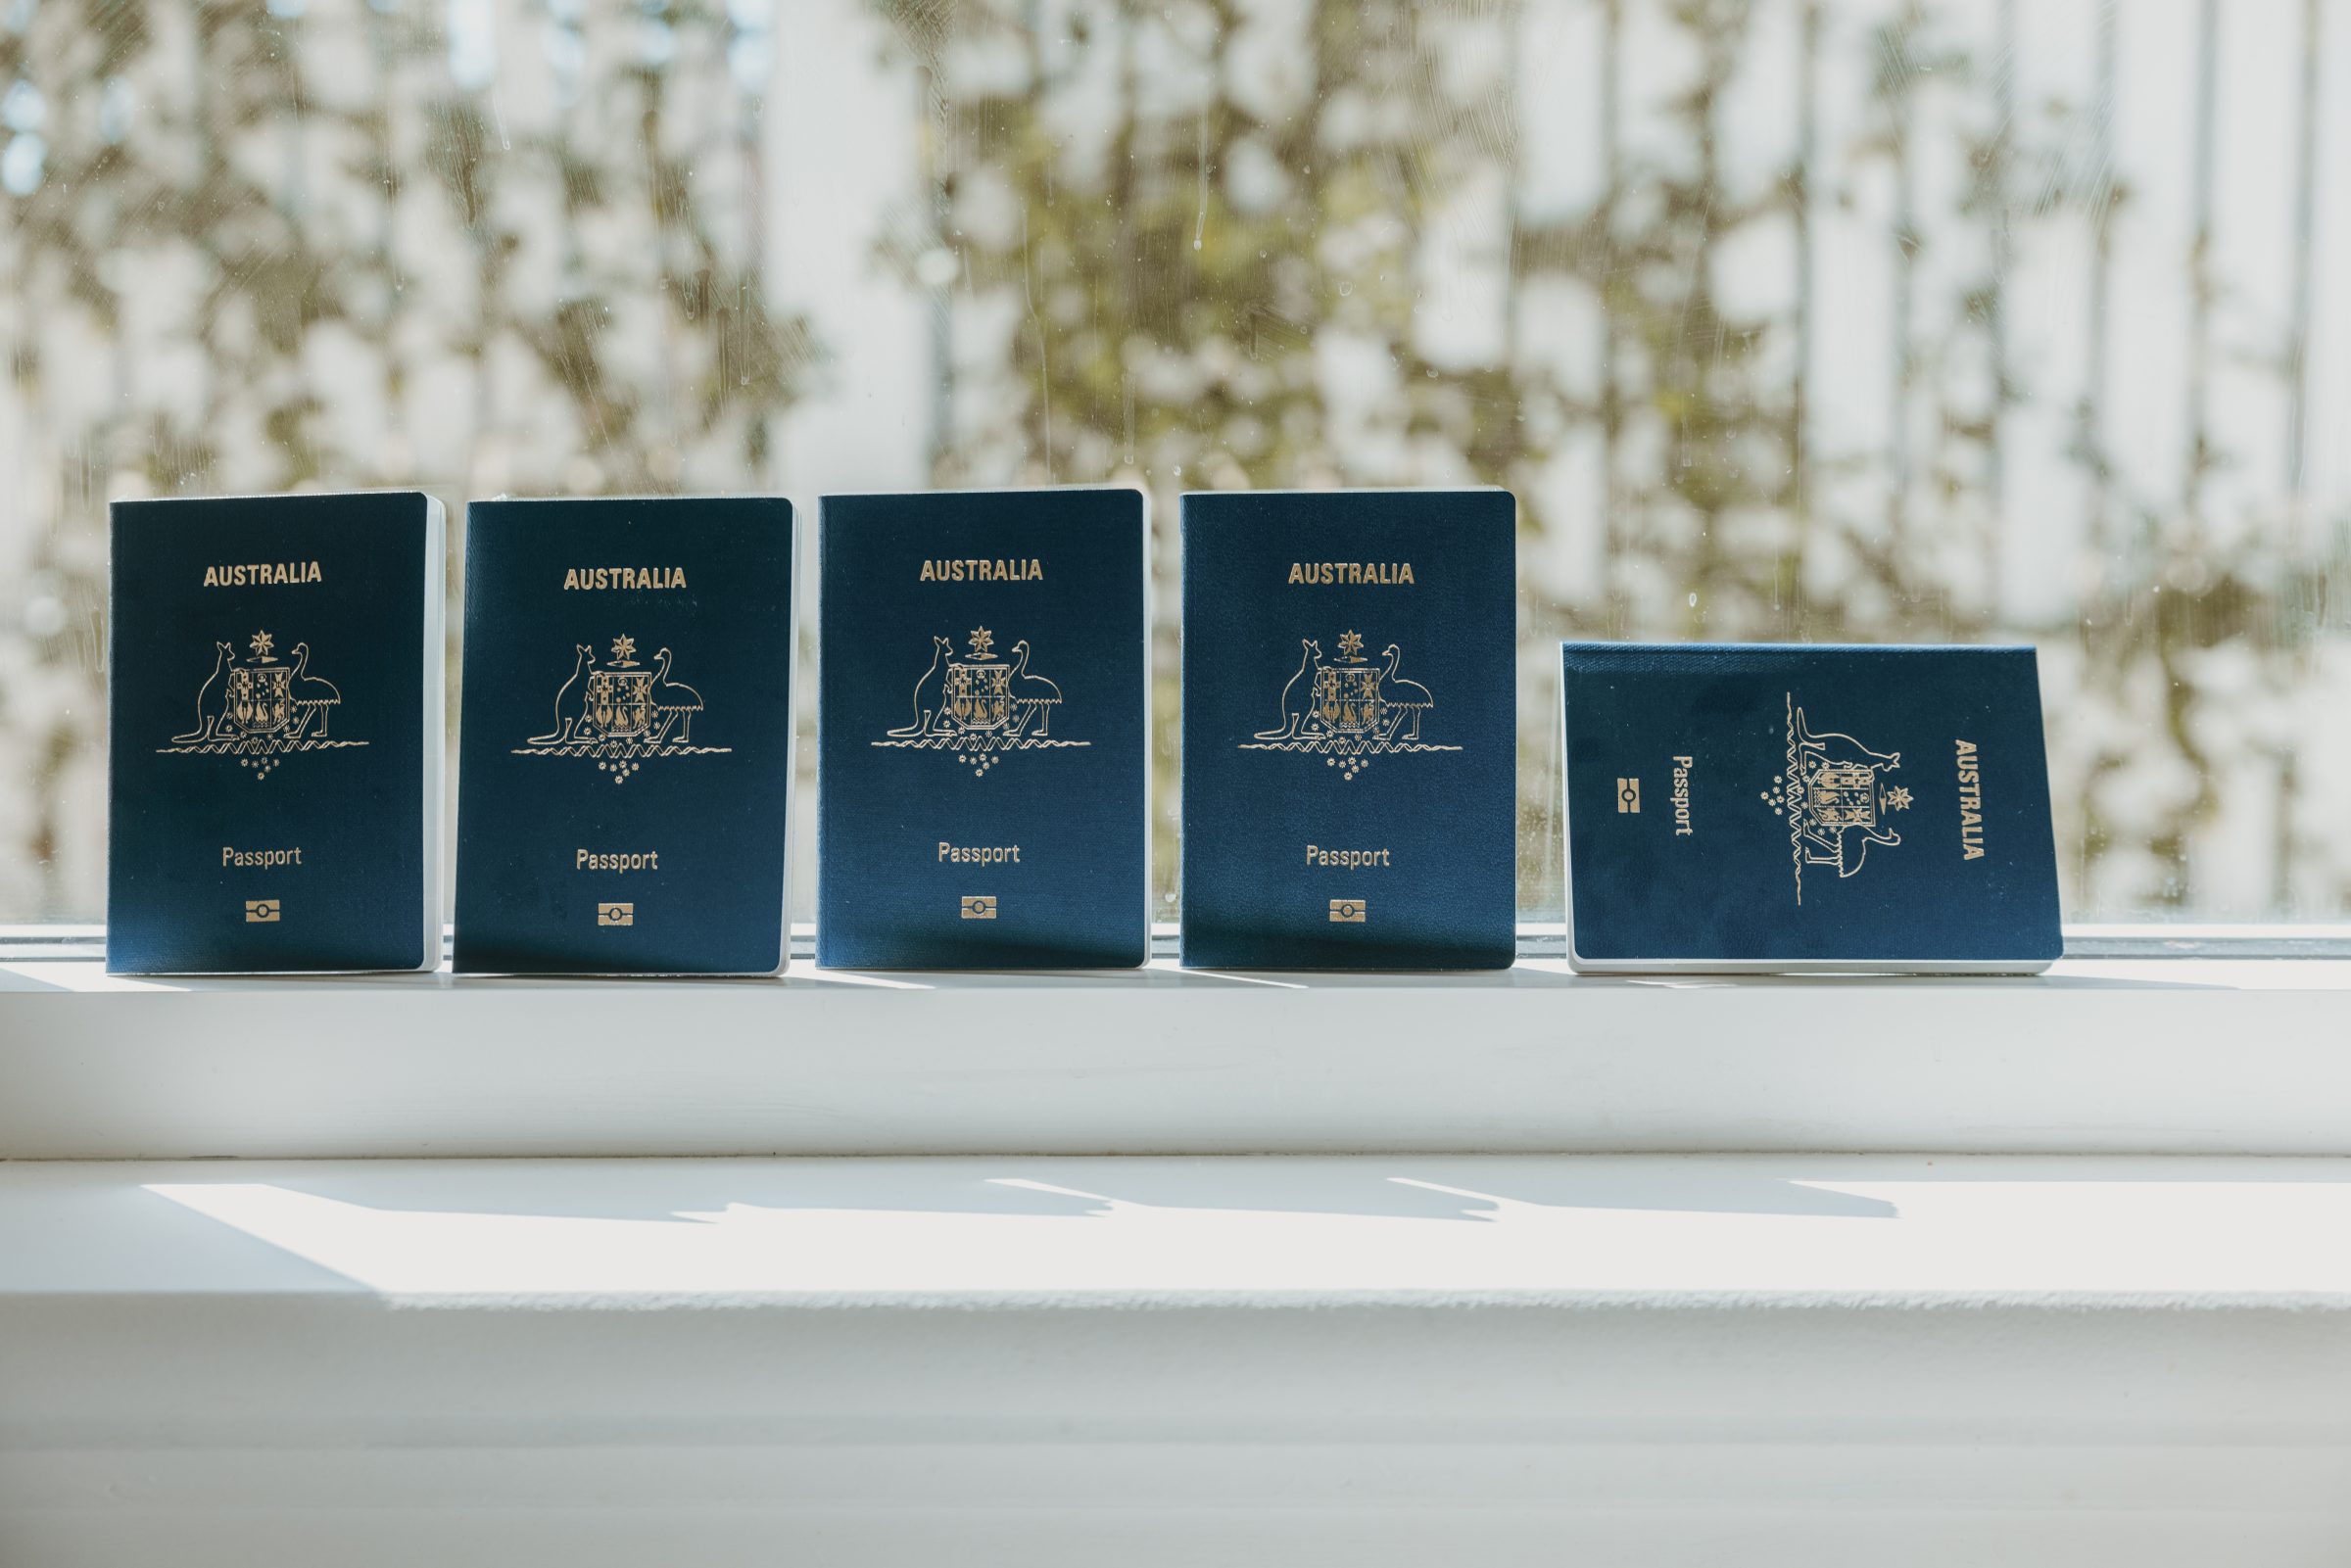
(983, 643)
(263, 642)
(1351, 647)
(1898, 799)
(624, 649)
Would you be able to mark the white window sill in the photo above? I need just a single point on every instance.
(1798, 1359)
(2106, 1055)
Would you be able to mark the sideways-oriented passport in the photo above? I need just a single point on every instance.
(1799, 808)
(983, 731)
(625, 755)
(1349, 743)
(274, 681)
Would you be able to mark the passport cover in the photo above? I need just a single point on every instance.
(984, 721)
(273, 689)
(626, 747)
(1807, 808)
(1350, 730)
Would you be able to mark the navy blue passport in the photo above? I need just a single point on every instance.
(1752, 807)
(274, 719)
(625, 753)
(984, 732)
(1349, 729)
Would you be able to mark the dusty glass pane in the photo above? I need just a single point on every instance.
(1792, 320)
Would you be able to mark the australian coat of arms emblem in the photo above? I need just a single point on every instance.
(621, 713)
(261, 709)
(1834, 797)
(1348, 709)
(980, 706)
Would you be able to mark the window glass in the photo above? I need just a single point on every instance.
(1811, 319)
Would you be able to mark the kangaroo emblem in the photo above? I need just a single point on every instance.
(1297, 697)
(208, 723)
(572, 724)
(926, 691)
(1832, 746)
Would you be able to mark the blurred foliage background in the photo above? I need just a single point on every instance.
(1791, 319)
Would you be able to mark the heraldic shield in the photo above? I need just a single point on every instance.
(979, 694)
(261, 698)
(1347, 697)
(621, 701)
